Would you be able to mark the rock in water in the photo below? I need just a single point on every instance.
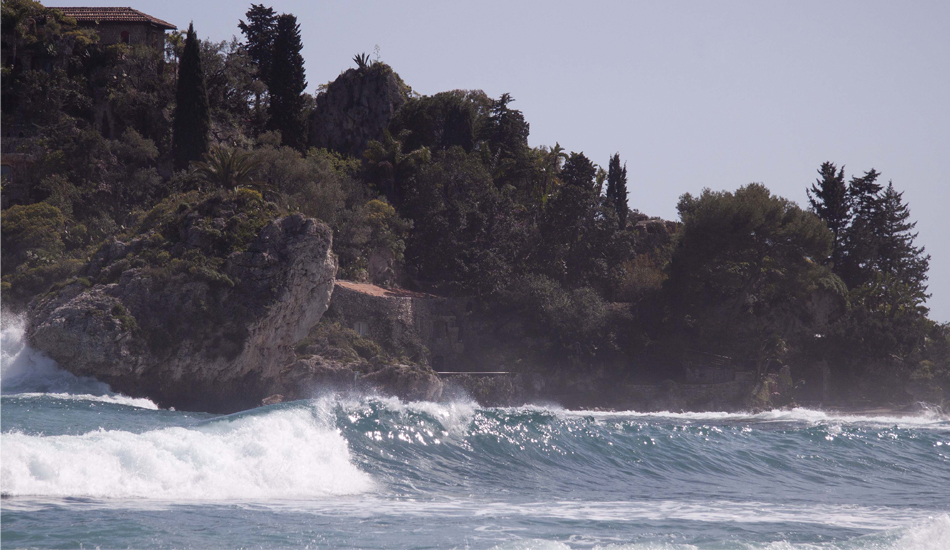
(186, 331)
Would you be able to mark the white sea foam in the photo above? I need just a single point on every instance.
(454, 416)
(931, 534)
(926, 418)
(27, 372)
(871, 518)
(113, 398)
(285, 453)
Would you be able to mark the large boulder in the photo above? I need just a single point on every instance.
(189, 315)
(356, 108)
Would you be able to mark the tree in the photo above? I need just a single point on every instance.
(441, 121)
(228, 168)
(746, 270)
(861, 246)
(576, 233)
(192, 115)
(898, 259)
(287, 83)
(465, 236)
(830, 199)
(617, 189)
(389, 166)
(506, 134)
(259, 31)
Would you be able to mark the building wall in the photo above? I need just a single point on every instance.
(139, 33)
(389, 319)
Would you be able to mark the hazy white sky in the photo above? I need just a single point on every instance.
(691, 94)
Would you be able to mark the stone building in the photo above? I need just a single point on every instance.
(387, 315)
(122, 25)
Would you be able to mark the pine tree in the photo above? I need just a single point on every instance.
(288, 83)
(859, 255)
(897, 256)
(617, 188)
(192, 118)
(830, 199)
(259, 32)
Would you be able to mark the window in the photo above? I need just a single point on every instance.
(125, 37)
(361, 328)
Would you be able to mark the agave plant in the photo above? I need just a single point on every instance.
(228, 168)
(362, 61)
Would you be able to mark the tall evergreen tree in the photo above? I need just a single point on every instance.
(617, 188)
(192, 117)
(859, 256)
(288, 82)
(259, 30)
(570, 248)
(830, 199)
(506, 133)
(579, 172)
(897, 256)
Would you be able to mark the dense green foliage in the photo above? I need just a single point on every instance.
(746, 272)
(451, 199)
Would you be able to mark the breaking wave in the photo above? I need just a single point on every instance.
(284, 453)
(28, 373)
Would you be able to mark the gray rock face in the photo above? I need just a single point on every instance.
(196, 343)
(356, 108)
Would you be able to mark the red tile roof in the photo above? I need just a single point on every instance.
(109, 15)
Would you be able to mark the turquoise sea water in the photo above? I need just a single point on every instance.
(85, 468)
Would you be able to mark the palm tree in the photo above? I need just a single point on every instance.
(390, 164)
(551, 166)
(228, 168)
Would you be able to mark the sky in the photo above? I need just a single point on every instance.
(691, 94)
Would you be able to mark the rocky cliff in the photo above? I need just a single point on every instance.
(208, 306)
(356, 108)
(193, 342)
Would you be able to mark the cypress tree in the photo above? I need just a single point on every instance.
(830, 199)
(287, 83)
(617, 188)
(259, 31)
(192, 118)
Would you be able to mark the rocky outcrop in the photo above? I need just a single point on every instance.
(356, 108)
(201, 339)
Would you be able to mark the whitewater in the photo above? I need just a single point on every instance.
(83, 467)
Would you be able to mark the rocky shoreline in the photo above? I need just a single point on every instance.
(255, 322)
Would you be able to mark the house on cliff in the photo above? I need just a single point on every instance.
(114, 25)
(121, 25)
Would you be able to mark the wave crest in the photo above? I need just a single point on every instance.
(284, 453)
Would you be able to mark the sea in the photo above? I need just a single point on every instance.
(84, 467)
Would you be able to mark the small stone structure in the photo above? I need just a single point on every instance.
(121, 25)
(390, 315)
